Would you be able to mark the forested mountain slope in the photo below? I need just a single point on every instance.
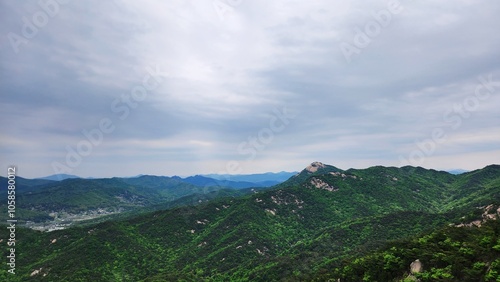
(312, 226)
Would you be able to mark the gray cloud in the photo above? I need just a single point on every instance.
(230, 70)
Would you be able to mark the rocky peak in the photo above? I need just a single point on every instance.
(313, 167)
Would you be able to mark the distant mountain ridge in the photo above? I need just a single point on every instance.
(269, 177)
(276, 177)
(58, 177)
(64, 196)
(41, 199)
(457, 171)
(236, 184)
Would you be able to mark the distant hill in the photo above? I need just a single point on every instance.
(234, 181)
(67, 197)
(323, 224)
(457, 171)
(58, 177)
(207, 181)
(41, 199)
(269, 177)
(24, 184)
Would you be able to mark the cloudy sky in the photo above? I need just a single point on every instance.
(120, 88)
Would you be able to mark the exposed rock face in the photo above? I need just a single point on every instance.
(489, 213)
(273, 212)
(36, 272)
(312, 168)
(416, 267)
(320, 184)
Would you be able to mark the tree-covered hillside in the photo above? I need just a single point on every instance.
(455, 253)
(322, 224)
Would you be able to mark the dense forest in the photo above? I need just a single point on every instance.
(324, 224)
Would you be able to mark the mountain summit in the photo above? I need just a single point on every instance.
(313, 167)
(320, 168)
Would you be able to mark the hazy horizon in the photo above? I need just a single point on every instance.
(258, 172)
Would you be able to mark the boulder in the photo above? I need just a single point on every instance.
(416, 267)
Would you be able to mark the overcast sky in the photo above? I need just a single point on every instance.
(120, 88)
